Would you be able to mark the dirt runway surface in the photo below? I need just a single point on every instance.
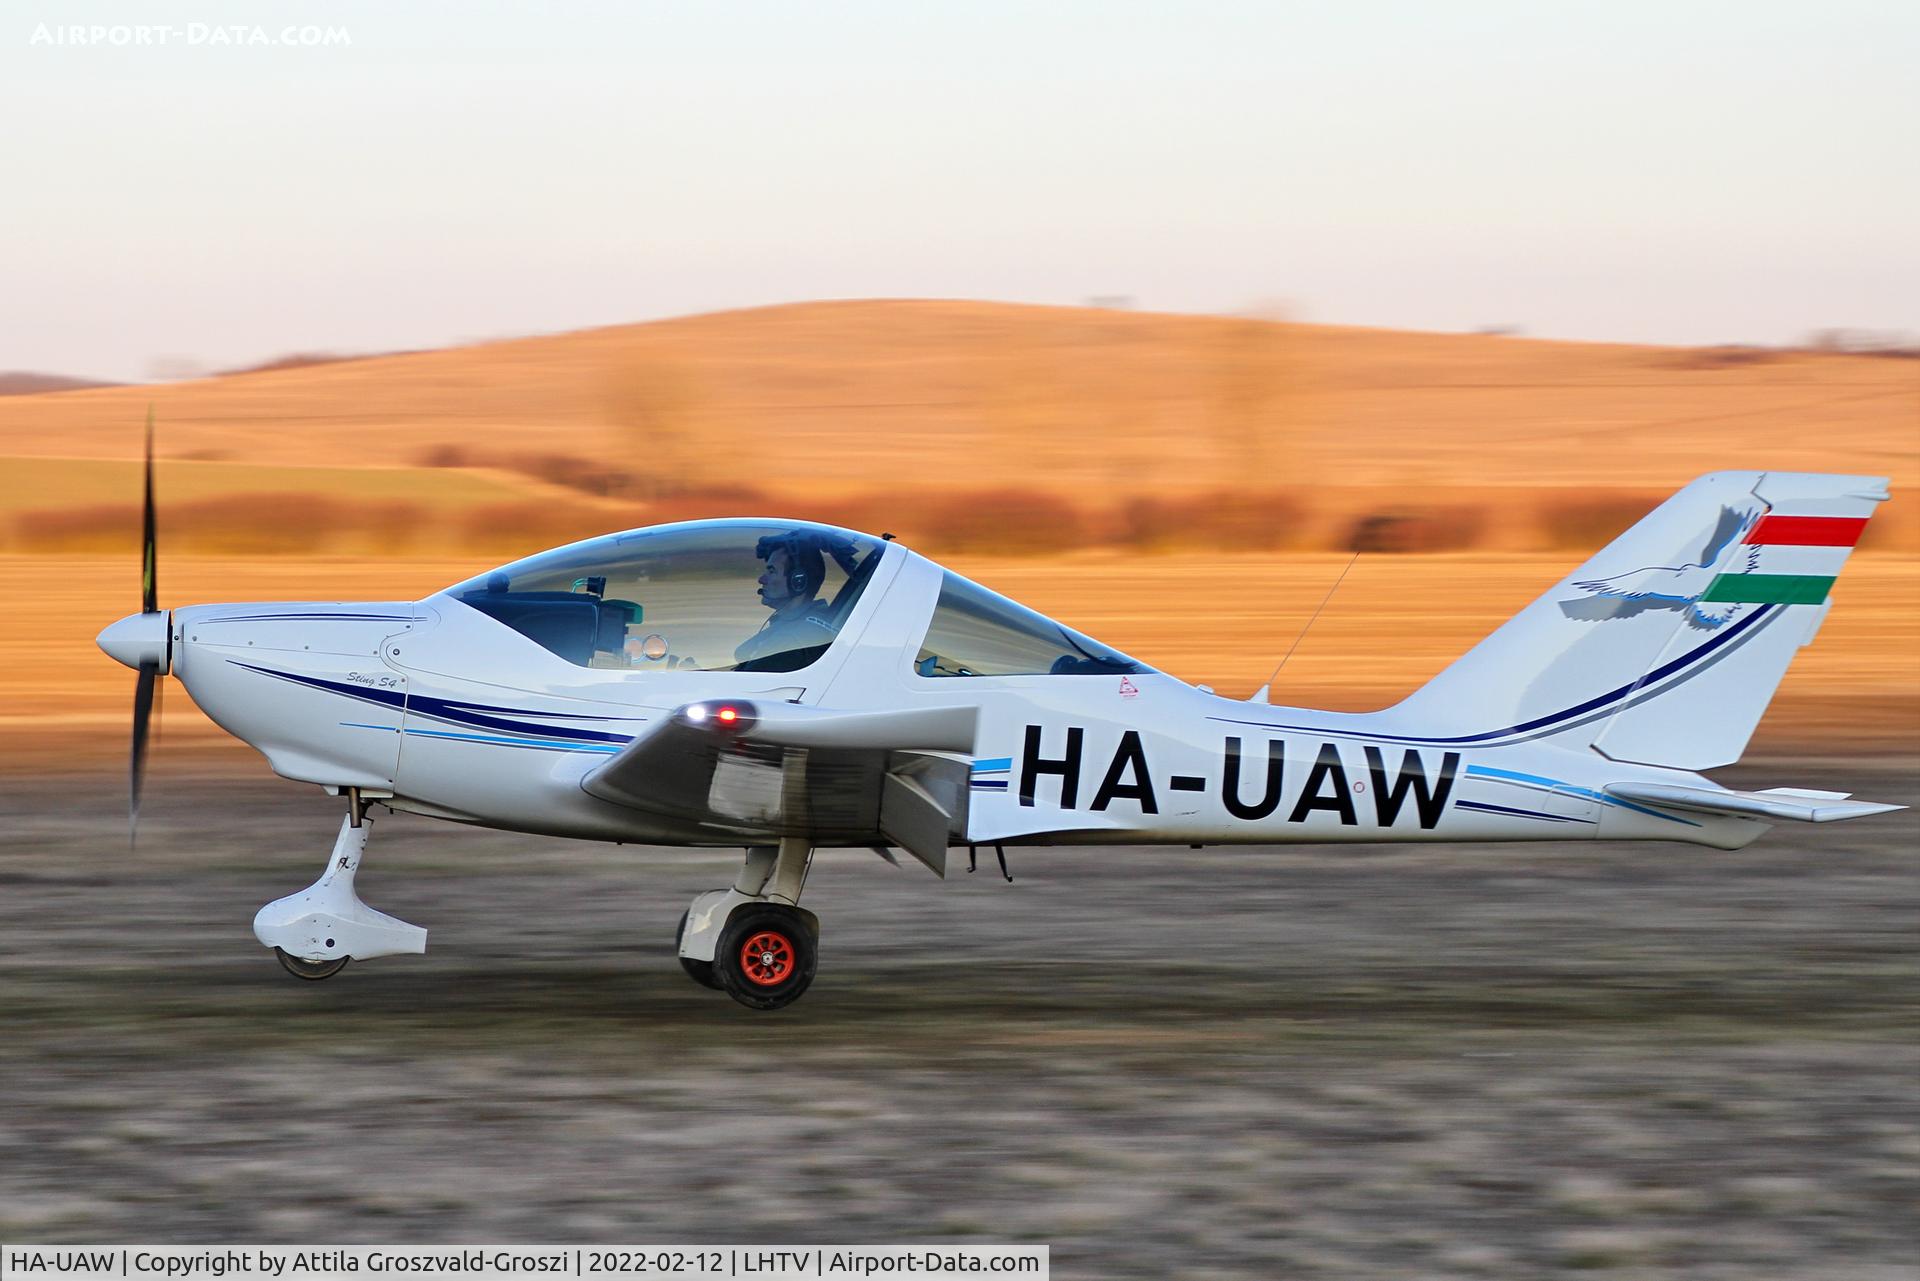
(1637, 1060)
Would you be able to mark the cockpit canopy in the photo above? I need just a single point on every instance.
(976, 632)
(705, 596)
(756, 596)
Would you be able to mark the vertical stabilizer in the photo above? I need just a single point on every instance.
(1666, 647)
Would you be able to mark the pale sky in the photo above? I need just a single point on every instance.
(1665, 171)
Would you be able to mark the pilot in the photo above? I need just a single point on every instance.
(790, 585)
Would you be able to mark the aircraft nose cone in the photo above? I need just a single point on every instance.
(137, 640)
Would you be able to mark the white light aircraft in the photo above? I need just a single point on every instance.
(783, 686)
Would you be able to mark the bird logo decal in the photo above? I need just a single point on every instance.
(1673, 587)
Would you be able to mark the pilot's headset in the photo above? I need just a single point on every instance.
(806, 567)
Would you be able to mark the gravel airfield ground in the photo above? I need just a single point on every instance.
(1518, 1061)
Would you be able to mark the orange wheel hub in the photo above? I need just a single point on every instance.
(766, 958)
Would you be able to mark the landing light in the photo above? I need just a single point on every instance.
(724, 718)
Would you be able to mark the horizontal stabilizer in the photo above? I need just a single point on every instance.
(1799, 804)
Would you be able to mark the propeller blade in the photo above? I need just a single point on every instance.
(149, 577)
(142, 717)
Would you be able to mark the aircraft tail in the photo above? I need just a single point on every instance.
(1666, 647)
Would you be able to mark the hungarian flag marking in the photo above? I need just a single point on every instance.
(1799, 557)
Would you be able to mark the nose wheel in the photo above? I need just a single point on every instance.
(315, 932)
(312, 971)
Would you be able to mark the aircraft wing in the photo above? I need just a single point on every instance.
(836, 776)
(1798, 803)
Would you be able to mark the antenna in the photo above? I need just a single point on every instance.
(1261, 694)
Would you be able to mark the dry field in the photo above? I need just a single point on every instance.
(866, 396)
(1504, 447)
(1636, 1061)
(32, 483)
(1218, 620)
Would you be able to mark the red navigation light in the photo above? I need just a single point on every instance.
(727, 715)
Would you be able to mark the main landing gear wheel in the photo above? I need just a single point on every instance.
(700, 972)
(765, 957)
(312, 971)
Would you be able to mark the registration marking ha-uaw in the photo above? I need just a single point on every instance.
(1327, 787)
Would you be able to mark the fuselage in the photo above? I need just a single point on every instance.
(439, 708)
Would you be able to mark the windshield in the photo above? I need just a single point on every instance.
(708, 596)
(976, 632)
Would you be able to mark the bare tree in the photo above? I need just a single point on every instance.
(1253, 379)
(652, 404)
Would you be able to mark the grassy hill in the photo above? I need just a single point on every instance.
(837, 398)
(1169, 482)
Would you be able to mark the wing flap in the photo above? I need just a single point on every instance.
(915, 821)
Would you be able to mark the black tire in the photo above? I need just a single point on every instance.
(700, 972)
(766, 956)
(312, 971)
